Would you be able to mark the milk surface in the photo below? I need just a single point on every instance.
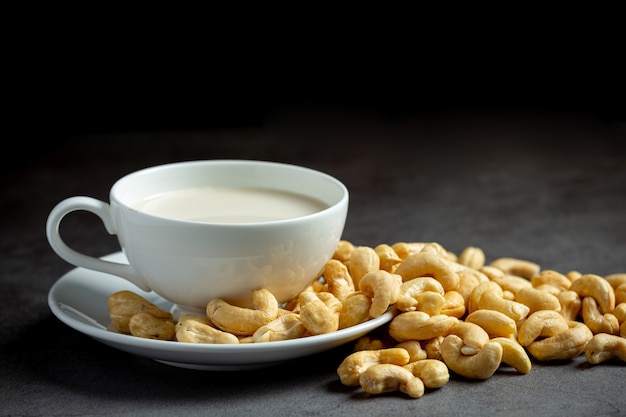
(230, 205)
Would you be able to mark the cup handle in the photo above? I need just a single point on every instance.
(102, 210)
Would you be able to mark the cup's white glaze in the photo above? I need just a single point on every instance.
(190, 263)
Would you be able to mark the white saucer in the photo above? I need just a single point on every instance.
(79, 299)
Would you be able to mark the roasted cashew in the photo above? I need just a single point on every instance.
(518, 267)
(437, 249)
(123, 305)
(605, 347)
(343, 251)
(514, 354)
(195, 330)
(474, 337)
(405, 249)
(472, 257)
(363, 260)
(338, 278)
(389, 259)
(620, 294)
(433, 347)
(495, 323)
(351, 368)
(355, 310)
(368, 343)
(570, 304)
(590, 285)
(620, 312)
(414, 347)
(553, 278)
(566, 345)
(430, 302)
(596, 321)
(149, 327)
(417, 325)
(383, 288)
(550, 289)
(573, 275)
(285, 327)
(454, 304)
(429, 264)
(616, 279)
(481, 365)
(382, 378)
(468, 280)
(319, 312)
(432, 372)
(537, 300)
(540, 324)
(488, 295)
(242, 321)
(511, 283)
(410, 289)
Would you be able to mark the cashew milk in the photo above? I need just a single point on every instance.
(230, 205)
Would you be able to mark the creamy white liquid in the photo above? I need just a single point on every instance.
(230, 205)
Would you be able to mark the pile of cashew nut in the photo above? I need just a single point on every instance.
(453, 315)
(459, 315)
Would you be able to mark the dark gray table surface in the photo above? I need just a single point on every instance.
(547, 189)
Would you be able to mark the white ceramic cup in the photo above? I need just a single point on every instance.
(190, 262)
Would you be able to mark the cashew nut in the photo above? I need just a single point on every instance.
(570, 304)
(566, 345)
(416, 353)
(285, 327)
(590, 285)
(338, 278)
(368, 343)
(343, 251)
(243, 321)
(351, 368)
(620, 294)
(518, 267)
(410, 289)
(433, 347)
(417, 325)
(620, 312)
(192, 330)
(434, 373)
(605, 347)
(147, 326)
(544, 323)
(511, 283)
(514, 354)
(472, 257)
(363, 260)
(495, 323)
(429, 264)
(596, 321)
(319, 312)
(454, 304)
(488, 295)
(537, 300)
(381, 378)
(383, 288)
(553, 278)
(481, 365)
(389, 259)
(355, 310)
(616, 279)
(473, 336)
(123, 305)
